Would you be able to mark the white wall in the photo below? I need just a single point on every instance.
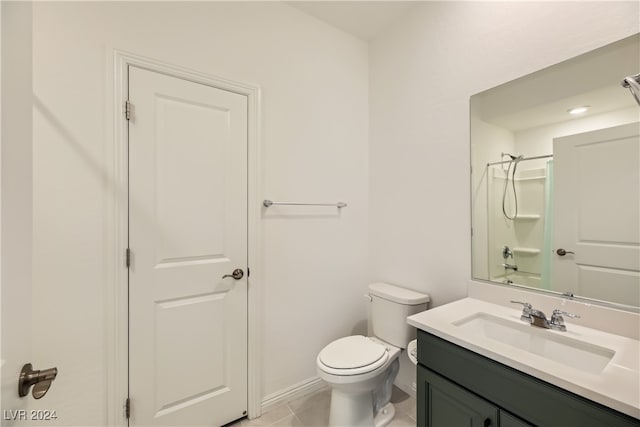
(408, 190)
(314, 82)
(422, 72)
(16, 179)
(539, 140)
(488, 140)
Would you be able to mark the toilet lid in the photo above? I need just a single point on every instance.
(352, 352)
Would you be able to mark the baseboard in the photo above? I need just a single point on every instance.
(308, 386)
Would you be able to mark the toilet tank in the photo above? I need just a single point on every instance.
(390, 307)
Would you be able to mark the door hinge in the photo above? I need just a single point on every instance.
(127, 257)
(128, 108)
(127, 408)
(248, 272)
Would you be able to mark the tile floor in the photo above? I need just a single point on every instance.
(313, 411)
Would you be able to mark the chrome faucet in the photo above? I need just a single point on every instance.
(526, 311)
(510, 267)
(537, 318)
(557, 321)
(507, 252)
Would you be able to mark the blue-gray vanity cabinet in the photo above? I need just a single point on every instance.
(448, 405)
(458, 387)
(445, 404)
(508, 420)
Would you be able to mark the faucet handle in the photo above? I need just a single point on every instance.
(557, 321)
(560, 313)
(526, 310)
(526, 304)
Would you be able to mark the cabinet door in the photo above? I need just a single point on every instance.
(444, 404)
(540, 403)
(508, 420)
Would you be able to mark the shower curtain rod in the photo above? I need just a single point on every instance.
(524, 158)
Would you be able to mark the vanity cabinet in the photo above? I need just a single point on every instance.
(457, 387)
(447, 405)
(508, 420)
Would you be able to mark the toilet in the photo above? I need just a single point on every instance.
(360, 370)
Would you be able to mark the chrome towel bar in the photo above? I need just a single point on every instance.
(338, 205)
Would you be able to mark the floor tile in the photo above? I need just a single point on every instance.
(238, 423)
(404, 403)
(305, 402)
(290, 421)
(313, 411)
(315, 415)
(273, 415)
(402, 421)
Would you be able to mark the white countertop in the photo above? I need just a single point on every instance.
(617, 386)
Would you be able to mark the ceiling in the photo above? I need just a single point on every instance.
(545, 96)
(363, 19)
(527, 102)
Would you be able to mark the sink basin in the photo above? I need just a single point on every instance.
(542, 342)
(598, 365)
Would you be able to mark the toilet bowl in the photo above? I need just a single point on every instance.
(360, 370)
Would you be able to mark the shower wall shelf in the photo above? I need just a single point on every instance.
(528, 217)
(518, 179)
(531, 178)
(526, 251)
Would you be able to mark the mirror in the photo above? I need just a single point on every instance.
(555, 191)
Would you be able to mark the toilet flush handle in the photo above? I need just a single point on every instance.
(367, 296)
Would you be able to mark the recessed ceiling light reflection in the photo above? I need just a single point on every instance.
(578, 110)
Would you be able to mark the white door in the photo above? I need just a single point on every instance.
(187, 229)
(597, 214)
(16, 215)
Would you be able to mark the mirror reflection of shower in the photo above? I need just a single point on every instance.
(633, 84)
(513, 161)
(519, 194)
(526, 117)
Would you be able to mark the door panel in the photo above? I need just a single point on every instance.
(179, 178)
(597, 213)
(187, 228)
(446, 404)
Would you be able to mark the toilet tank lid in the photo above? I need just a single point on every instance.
(398, 294)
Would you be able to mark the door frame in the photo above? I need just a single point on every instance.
(117, 293)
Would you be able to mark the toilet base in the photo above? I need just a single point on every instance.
(350, 409)
(385, 415)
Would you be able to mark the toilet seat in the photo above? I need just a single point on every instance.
(352, 355)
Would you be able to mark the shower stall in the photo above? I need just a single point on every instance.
(519, 219)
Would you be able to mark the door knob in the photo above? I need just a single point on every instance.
(562, 252)
(237, 274)
(40, 380)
